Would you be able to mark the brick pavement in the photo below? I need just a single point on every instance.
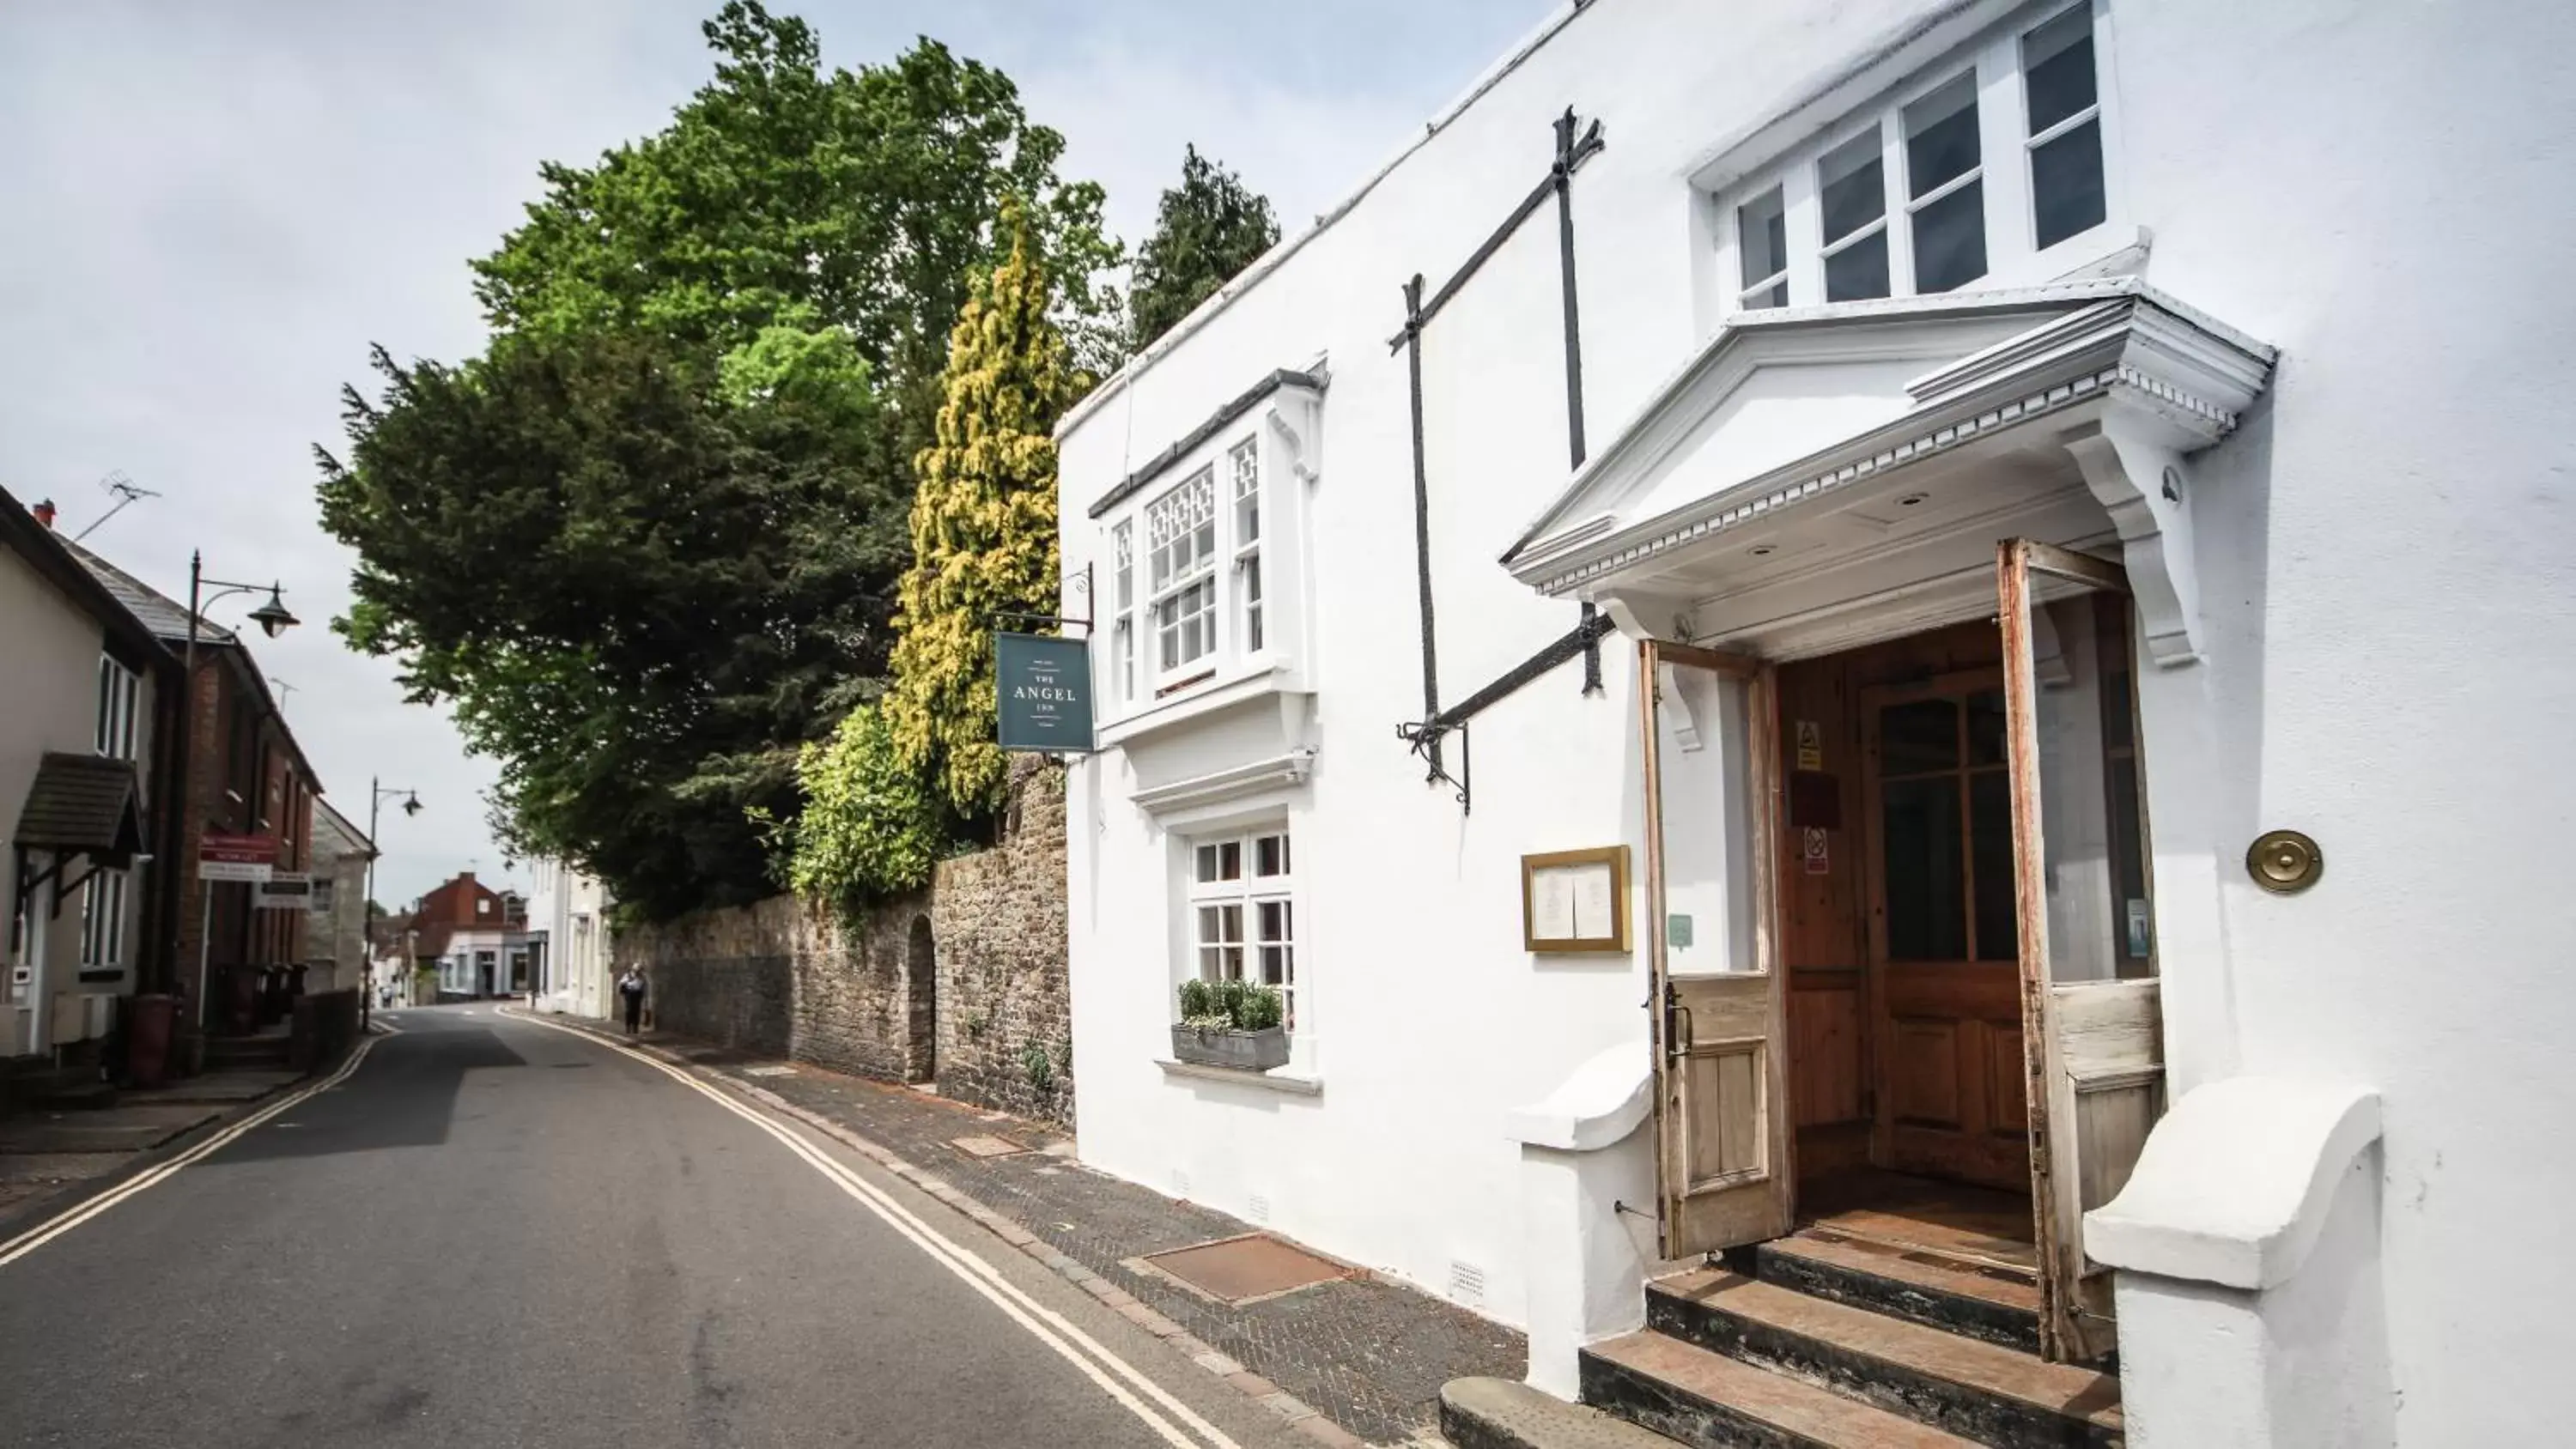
(1368, 1356)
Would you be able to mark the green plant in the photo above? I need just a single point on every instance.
(1230, 1006)
(869, 828)
(1041, 1070)
(976, 1021)
(1261, 1009)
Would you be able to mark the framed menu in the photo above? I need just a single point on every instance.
(1575, 900)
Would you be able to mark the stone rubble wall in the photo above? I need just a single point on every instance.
(987, 1015)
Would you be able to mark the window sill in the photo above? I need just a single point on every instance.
(1199, 699)
(1276, 1080)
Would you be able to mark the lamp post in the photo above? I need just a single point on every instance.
(377, 791)
(273, 620)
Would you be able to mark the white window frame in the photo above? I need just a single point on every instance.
(1201, 571)
(1243, 528)
(1240, 571)
(2005, 151)
(1122, 625)
(120, 693)
(1245, 894)
(103, 912)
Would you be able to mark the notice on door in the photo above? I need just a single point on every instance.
(1815, 846)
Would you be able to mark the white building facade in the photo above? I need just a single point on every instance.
(77, 740)
(568, 918)
(2032, 457)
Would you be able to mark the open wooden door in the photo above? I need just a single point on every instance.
(1720, 1008)
(2092, 1026)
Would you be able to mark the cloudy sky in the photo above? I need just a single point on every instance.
(209, 209)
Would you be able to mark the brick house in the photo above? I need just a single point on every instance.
(476, 937)
(246, 776)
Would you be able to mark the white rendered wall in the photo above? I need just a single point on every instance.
(49, 651)
(2389, 587)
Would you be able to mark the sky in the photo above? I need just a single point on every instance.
(209, 210)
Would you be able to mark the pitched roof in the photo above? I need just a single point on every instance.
(168, 620)
(63, 562)
(84, 803)
(328, 818)
(166, 617)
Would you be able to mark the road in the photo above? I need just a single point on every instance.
(496, 1233)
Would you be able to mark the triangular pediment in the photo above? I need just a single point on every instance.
(1805, 458)
(1772, 388)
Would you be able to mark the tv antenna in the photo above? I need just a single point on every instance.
(125, 490)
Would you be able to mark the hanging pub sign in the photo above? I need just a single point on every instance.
(1043, 689)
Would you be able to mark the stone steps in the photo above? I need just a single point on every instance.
(1698, 1397)
(1982, 1392)
(1993, 1305)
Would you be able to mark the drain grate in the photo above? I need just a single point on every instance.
(1247, 1269)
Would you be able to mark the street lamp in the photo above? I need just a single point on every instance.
(273, 619)
(377, 791)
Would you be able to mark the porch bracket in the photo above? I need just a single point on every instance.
(2135, 469)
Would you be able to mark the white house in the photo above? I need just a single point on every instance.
(2070, 508)
(568, 929)
(82, 679)
(335, 927)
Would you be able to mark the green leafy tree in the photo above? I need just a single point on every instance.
(783, 193)
(637, 590)
(983, 523)
(1208, 229)
(647, 547)
(868, 828)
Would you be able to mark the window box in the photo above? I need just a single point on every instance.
(1243, 1051)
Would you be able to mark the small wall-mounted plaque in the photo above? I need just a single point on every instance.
(1575, 900)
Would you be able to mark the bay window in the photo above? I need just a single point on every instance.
(1973, 172)
(1244, 464)
(1180, 536)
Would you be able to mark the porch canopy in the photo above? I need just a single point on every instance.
(83, 805)
(1816, 477)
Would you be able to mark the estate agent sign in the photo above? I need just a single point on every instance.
(1044, 693)
(236, 857)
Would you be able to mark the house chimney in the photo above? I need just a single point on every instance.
(44, 511)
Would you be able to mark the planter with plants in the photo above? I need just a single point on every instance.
(1230, 1024)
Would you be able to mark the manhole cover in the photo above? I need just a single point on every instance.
(1254, 1266)
(779, 1071)
(985, 1146)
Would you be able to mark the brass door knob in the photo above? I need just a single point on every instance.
(2284, 861)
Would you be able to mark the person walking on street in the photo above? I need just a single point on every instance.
(630, 989)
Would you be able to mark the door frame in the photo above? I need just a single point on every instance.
(2119, 1021)
(1747, 1010)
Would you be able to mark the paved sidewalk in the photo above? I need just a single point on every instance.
(47, 1150)
(1365, 1357)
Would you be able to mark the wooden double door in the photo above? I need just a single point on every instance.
(1899, 917)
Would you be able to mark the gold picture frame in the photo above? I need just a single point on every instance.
(1565, 899)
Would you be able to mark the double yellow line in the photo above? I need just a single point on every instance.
(54, 1227)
